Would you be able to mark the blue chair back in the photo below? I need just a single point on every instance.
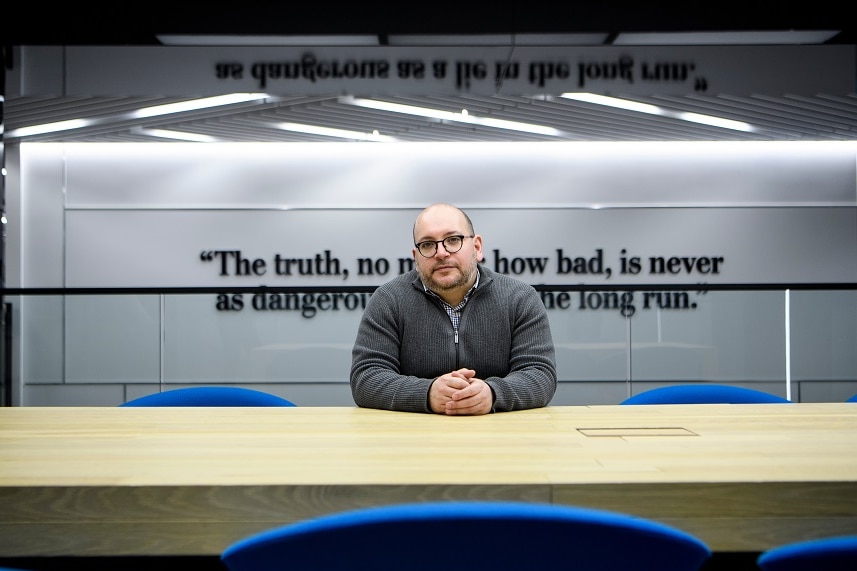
(210, 396)
(852, 399)
(829, 554)
(468, 536)
(704, 394)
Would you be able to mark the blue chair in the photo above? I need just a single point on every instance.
(852, 399)
(468, 536)
(703, 394)
(210, 396)
(829, 554)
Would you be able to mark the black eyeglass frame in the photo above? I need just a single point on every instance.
(445, 247)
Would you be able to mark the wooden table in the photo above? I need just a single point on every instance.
(190, 481)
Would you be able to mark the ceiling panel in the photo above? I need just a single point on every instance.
(787, 118)
(774, 117)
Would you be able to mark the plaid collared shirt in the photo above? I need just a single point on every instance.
(454, 312)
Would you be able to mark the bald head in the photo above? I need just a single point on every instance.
(441, 214)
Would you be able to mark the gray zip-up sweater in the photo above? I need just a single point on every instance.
(406, 340)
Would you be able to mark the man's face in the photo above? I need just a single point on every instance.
(446, 271)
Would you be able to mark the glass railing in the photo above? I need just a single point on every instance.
(104, 346)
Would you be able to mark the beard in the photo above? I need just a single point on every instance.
(460, 278)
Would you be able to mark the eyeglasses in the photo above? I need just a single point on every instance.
(451, 244)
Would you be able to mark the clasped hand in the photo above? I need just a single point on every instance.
(460, 393)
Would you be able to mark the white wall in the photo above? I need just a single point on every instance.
(91, 215)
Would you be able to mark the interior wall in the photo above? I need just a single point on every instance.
(194, 215)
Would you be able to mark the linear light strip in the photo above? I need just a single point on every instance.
(462, 117)
(195, 104)
(50, 128)
(338, 133)
(178, 135)
(655, 110)
(154, 111)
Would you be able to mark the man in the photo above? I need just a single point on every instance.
(451, 336)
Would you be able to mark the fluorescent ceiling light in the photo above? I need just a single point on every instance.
(338, 133)
(49, 128)
(764, 37)
(153, 111)
(655, 110)
(715, 121)
(233, 40)
(179, 135)
(463, 117)
(614, 102)
(511, 125)
(195, 104)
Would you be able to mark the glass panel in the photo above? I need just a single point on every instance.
(725, 336)
(112, 338)
(79, 349)
(823, 335)
(296, 343)
(590, 335)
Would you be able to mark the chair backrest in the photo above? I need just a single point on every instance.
(829, 554)
(470, 535)
(210, 396)
(703, 394)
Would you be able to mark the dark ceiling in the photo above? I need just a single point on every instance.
(139, 23)
(777, 116)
